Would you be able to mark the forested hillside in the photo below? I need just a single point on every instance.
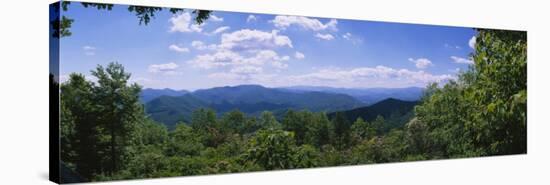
(249, 99)
(368, 96)
(394, 113)
(106, 134)
(148, 94)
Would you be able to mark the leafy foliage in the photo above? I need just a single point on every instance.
(361, 130)
(79, 129)
(99, 121)
(484, 112)
(272, 149)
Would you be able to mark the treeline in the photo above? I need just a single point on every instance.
(484, 112)
(106, 135)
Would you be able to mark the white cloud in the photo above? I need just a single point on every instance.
(89, 50)
(184, 23)
(198, 44)
(421, 63)
(215, 18)
(355, 40)
(378, 76)
(251, 18)
(253, 39)
(243, 54)
(246, 39)
(472, 42)
(324, 36)
(362, 77)
(167, 69)
(269, 56)
(201, 46)
(283, 22)
(177, 48)
(347, 36)
(221, 29)
(246, 70)
(224, 58)
(299, 55)
(460, 60)
(217, 59)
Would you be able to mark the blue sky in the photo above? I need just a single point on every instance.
(241, 48)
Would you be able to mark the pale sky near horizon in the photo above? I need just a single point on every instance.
(241, 48)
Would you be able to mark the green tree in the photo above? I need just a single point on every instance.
(99, 121)
(184, 142)
(233, 122)
(306, 156)
(250, 125)
(271, 149)
(119, 112)
(268, 121)
(444, 113)
(149, 162)
(367, 151)
(342, 127)
(389, 148)
(394, 146)
(417, 136)
(378, 124)
(204, 121)
(80, 140)
(484, 111)
(152, 133)
(362, 130)
(500, 91)
(330, 156)
(298, 123)
(318, 131)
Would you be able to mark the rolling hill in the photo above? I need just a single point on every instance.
(368, 96)
(149, 94)
(395, 112)
(172, 109)
(250, 99)
(254, 94)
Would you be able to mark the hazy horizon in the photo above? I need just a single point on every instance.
(284, 87)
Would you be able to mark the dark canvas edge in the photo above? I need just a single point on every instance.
(54, 158)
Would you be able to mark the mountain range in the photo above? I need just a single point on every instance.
(368, 96)
(171, 106)
(250, 99)
(150, 94)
